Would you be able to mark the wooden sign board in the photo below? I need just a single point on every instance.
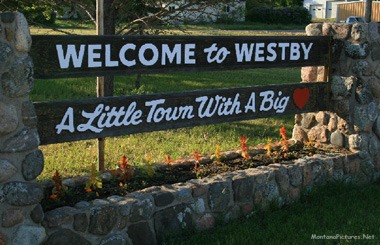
(72, 120)
(56, 56)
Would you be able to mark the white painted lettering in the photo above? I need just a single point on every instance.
(271, 51)
(243, 53)
(295, 53)
(142, 56)
(69, 115)
(92, 55)
(122, 55)
(171, 54)
(283, 47)
(190, 53)
(109, 62)
(71, 55)
(306, 50)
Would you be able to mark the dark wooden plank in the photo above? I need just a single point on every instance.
(64, 121)
(76, 56)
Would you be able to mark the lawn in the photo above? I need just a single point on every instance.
(75, 158)
(339, 213)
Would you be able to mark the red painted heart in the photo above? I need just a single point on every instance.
(300, 97)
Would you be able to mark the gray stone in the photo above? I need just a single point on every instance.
(29, 235)
(363, 95)
(342, 30)
(322, 117)
(205, 222)
(374, 146)
(18, 81)
(374, 84)
(172, 220)
(114, 239)
(318, 134)
(219, 196)
(6, 52)
(341, 107)
(341, 86)
(358, 142)
(66, 236)
(359, 32)
(23, 40)
(333, 123)
(357, 51)
(82, 204)
(360, 67)
(12, 217)
(7, 17)
(282, 178)
(242, 189)
(367, 168)
(59, 216)
(25, 140)
(141, 210)
(7, 170)
(37, 214)
(376, 127)
(373, 112)
(295, 175)
(183, 191)
(314, 29)
(362, 123)
(21, 193)
(29, 117)
(308, 120)
(33, 165)
(199, 206)
(162, 198)
(8, 118)
(141, 233)
(375, 53)
(299, 134)
(80, 222)
(102, 220)
(337, 138)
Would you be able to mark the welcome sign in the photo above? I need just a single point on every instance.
(63, 121)
(74, 56)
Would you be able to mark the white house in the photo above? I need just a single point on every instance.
(323, 8)
(234, 10)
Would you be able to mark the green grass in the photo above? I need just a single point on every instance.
(329, 210)
(72, 159)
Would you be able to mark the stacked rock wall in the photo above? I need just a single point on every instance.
(20, 160)
(353, 121)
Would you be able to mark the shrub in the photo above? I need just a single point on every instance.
(285, 15)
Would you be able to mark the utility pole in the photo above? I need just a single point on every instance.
(368, 11)
(104, 85)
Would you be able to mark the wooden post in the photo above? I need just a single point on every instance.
(368, 11)
(104, 85)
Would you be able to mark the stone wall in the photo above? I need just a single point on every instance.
(353, 121)
(20, 160)
(144, 217)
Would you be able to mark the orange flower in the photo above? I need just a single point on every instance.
(53, 196)
(88, 189)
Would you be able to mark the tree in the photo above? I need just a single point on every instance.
(128, 16)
